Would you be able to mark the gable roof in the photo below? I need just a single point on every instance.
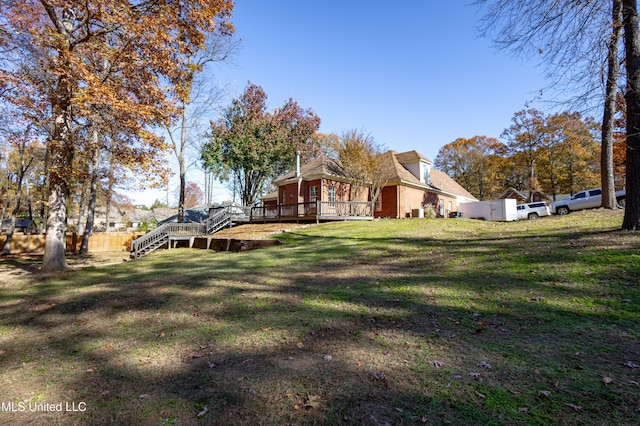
(443, 182)
(393, 170)
(411, 157)
(318, 167)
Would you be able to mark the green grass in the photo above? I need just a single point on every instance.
(394, 321)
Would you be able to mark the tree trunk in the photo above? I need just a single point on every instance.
(6, 250)
(91, 209)
(61, 158)
(82, 211)
(632, 97)
(613, 69)
(181, 164)
(61, 152)
(21, 175)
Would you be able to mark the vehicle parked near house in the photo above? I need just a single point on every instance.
(589, 199)
(533, 211)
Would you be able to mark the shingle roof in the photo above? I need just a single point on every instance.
(316, 167)
(443, 182)
(394, 170)
(411, 157)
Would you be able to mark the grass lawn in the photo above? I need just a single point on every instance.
(422, 321)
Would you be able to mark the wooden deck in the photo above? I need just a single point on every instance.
(318, 211)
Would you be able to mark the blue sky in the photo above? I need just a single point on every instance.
(414, 74)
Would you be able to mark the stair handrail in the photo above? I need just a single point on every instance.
(159, 234)
(218, 219)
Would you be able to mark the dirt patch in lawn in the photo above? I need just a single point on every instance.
(258, 231)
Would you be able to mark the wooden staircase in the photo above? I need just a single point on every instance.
(164, 234)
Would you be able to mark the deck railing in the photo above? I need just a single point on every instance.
(347, 209)
(317, 209)
(162, 235)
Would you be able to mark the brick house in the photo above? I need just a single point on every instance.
(411, 184)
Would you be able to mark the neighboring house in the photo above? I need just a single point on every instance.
(191, 215)
(525, 196)
(411, 184)
(25, 226)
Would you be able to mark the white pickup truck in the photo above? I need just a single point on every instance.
(589, 199)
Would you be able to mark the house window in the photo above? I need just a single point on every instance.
(441, 207)
(332, 194)
(284, 197)
(313, 194)
(450, 208)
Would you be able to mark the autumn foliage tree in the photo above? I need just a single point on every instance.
(249, 145)
(193, 195)
(556, 154)
(475, 163)
(88, 61)
(362, 162)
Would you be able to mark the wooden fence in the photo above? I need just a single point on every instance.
(99, 242)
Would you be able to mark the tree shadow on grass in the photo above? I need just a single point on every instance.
(331, 331)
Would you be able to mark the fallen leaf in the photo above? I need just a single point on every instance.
(359, 363)
(474, 375)
(480, 394)
(607, 380)
(312, 401)
(143, 396)
(437, 363)
(574, 406)
(2, 351)
(484, 364)
(523, 410)
(204, 411)
(544, 393)
(328, 358)
(399, 410)
(300, 345)
(632, 365)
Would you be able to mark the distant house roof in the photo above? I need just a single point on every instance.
(192, 215)
(270, 196)
(524, 195)
(20, 223)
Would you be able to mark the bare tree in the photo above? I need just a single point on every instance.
(196, 97)
(632, 61)
(577, 41)
(362, 161)
(607, 175)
